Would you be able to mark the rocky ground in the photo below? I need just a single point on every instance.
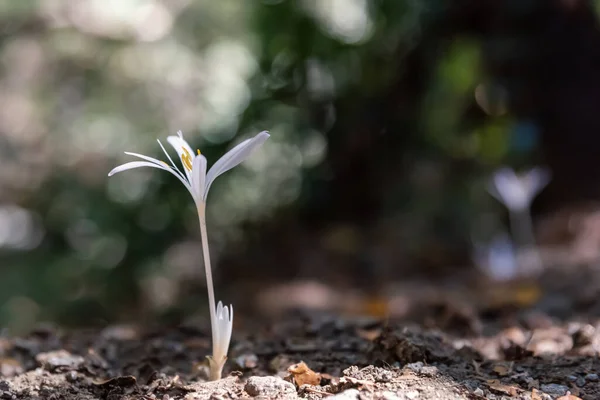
(534, 341)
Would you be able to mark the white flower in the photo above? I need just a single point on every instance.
(194, 176)
(499, 259)
(502, 260)
(517, 192)
(221, 330)
(197, 181)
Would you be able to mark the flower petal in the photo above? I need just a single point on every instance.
(199, 176)
(234, 157)
(132, 165)
(222, 331)
(169, 157)
(509, 189)
(153, 162)
(536, 179)
(184, 151)
(147, 158)
(217, 332)
(162, 165)
(498, 259)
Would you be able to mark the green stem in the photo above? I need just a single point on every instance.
(208, 270)
(522, 228)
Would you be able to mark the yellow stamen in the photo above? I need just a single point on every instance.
(198, 150)
(186, 159)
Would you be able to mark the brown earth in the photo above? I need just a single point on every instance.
(536, 340)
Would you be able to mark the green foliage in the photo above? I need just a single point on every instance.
(337, 82)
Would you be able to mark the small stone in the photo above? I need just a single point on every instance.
(71, 376)
(592, 377)
(270, 387)
(384, 375)
(472, 384)
(412, 394)
(120, 333)
(247, 361)
(582, 335)
(59, 358)
(415, 367)
(478, 392)
(350, 394)
(429, 371)
(390, 396)
(554, 389)
(10, 367)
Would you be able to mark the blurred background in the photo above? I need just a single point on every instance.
(388, 120)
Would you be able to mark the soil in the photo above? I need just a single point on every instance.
(483, 340)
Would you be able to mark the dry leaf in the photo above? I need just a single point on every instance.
(359, 383)
(369, 334)
(535, 395)
(495, 384)
(334, 380)
(476, 365)
(376, 307)
(123, 381)
(303, 375)
(502, 369)
(569, 397)
(521, 295)
(527, 295)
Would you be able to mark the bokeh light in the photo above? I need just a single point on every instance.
(386, 119)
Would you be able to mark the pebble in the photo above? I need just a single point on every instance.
(270, 387)
(391, 396)
(10, 367)
(415, 367)
(554, 389)
(247, 361)
(412, 394)
(59, 358)
(350, 394)
(472, 384)
(592, 377)
(120, 333)
(429, 371)
(383, 375)
(478, 392)
(71, 376)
